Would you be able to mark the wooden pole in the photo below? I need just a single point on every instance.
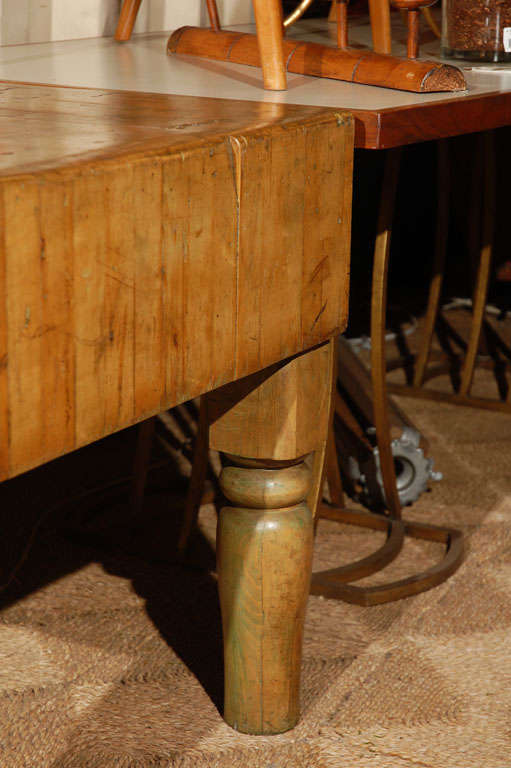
(265, 538)
(269, 22)
(127, 20)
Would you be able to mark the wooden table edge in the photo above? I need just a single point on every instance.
(397, 126)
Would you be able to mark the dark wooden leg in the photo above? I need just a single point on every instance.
(333, 474)
(378, 316)
(267, 424)
(483, 270)
(435, 288)
(197, 480)
(145, 438)
(480, 244)
(127, 20)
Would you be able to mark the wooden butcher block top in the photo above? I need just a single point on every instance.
(155, 247)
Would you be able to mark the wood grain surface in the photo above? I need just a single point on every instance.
(319, 60)
(265, 538)
(154, 248)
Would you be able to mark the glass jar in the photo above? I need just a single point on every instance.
(478, 30)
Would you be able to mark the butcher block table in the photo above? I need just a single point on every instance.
(155, 248)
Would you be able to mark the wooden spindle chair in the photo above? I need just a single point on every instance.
(269, 22)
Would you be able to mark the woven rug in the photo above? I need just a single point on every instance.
(110, 654)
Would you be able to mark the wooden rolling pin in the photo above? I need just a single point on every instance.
(322, 61)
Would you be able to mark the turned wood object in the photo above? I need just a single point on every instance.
(321, 61)
(269, 23)
(264, 563)
(270, 35)
(265, 536)
(341, 12)
(127, 20)
(379, 12)
(413, 9)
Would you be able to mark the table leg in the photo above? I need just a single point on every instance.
(268, 424)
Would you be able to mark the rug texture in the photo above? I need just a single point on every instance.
(110, 654)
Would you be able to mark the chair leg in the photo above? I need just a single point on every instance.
(435, 288)
(269, 22)
(213, 15)
(197, 480)
(379, 12)
(127, 20)
(483, 272)
(332, 583)
(141, 464)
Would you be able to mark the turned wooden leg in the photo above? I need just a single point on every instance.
(267, 424)
(269, 22)
(379, 12)
(127, 20)
(264, 566)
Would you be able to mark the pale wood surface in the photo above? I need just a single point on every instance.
(323, 61)
(269, 21)
(159, 248)
(383, 117)
(265, 538)
(287, 428)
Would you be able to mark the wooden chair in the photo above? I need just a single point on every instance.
(276, 54)
(269, 22)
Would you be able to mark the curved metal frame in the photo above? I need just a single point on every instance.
(332, 583)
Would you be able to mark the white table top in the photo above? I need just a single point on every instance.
(142, 65)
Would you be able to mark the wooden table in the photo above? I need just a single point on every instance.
(288, 312)
(155, 248)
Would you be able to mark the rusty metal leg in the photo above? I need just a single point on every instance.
(435, 288)
(483, 271)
